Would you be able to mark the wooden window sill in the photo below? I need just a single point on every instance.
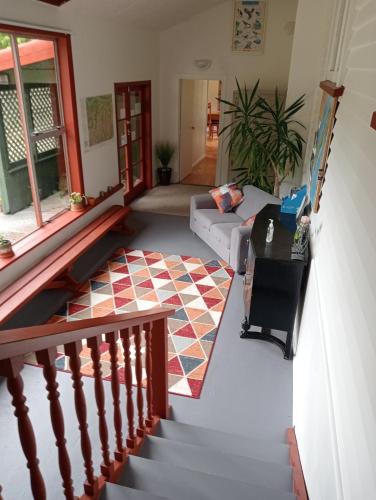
(51, 228)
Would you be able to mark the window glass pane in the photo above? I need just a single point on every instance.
(136, 152)
(137, 173)
(136, 127)
(135, 98)
(38, 67)
(37, 58)
(17, 216)
(122, 127)
(51, 177)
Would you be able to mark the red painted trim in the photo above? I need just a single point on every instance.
(68, 91)
(300, 488)
(44, 233)
(331, 89)
(373, 120)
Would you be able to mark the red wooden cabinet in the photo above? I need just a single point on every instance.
(133, 124)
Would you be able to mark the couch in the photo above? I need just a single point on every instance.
(224, 233)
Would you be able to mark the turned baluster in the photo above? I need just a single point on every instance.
(111, 338)
(94, 344)
(149, 384)
(124, 334)
(47, 359)
(11, 369)
(138, 370)
(73, 351)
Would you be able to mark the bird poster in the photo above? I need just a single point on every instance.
(249, 26)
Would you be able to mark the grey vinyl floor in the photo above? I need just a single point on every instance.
(248, 387)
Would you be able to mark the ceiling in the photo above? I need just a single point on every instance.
(143, 14)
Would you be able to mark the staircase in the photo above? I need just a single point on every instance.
(184, 462)
(155, 458)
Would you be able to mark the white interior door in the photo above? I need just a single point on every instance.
(193, 118)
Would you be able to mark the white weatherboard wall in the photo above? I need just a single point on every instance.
(335, 366)
(208, 36)
(103, 53)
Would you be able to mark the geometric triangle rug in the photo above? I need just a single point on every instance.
(136, 280)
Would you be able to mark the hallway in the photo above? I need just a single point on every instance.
(204, 172)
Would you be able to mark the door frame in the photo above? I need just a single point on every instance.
(146, 134)
(222, 169)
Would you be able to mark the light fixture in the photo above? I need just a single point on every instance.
(203, 63)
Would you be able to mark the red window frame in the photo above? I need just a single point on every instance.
(69, 100)
(74, 163)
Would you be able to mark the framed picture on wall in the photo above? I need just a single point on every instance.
(323, 139)
(249, 26)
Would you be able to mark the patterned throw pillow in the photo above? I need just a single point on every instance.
(227, 197)
(250, 221)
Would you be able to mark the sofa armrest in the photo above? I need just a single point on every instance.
(202, 201)
(239, 247)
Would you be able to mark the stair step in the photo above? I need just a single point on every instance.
(193, 457)
(223, 441)
(117, 492)
(177, 483)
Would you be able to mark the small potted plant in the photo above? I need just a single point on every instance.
(164, 151)
(77, 202)
(5, 247)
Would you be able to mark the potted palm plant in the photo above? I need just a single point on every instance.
(164, 151)
(77, 202)
(263, 141)
(5, 247)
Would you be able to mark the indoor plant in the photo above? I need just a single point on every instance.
(263, 141)
(5, 247)
(77, 202)
(164, 151)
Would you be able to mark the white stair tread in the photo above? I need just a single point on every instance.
(117, 492)
(177, 483)
(223, 441)
(202, 459)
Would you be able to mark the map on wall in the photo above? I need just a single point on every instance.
(99, 119)
(249, 26)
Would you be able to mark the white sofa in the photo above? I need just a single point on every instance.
(224, 233)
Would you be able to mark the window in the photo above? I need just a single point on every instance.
(39, 148)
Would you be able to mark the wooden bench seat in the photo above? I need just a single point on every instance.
(54, 270)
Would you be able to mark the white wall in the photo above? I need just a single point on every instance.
(335, 366)
(309, 50)
(208, 36)
(103, 53)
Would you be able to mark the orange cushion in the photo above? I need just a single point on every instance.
(227, 197)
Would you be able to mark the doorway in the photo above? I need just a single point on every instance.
(199, 128)
(133, 123)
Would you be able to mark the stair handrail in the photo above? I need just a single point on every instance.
(21, 341)
(117, 331)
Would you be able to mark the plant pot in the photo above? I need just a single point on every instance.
(164, 175)
(91, 201)
(77, 207)
(6, 250)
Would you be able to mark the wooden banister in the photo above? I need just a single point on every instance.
(43, 340)
(20, 341)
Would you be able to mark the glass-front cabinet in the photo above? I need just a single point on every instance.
(133, 118)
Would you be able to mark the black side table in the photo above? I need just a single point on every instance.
(273, 282)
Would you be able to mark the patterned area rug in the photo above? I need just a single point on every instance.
(135, 280)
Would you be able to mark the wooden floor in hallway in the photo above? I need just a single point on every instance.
(204, 172)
